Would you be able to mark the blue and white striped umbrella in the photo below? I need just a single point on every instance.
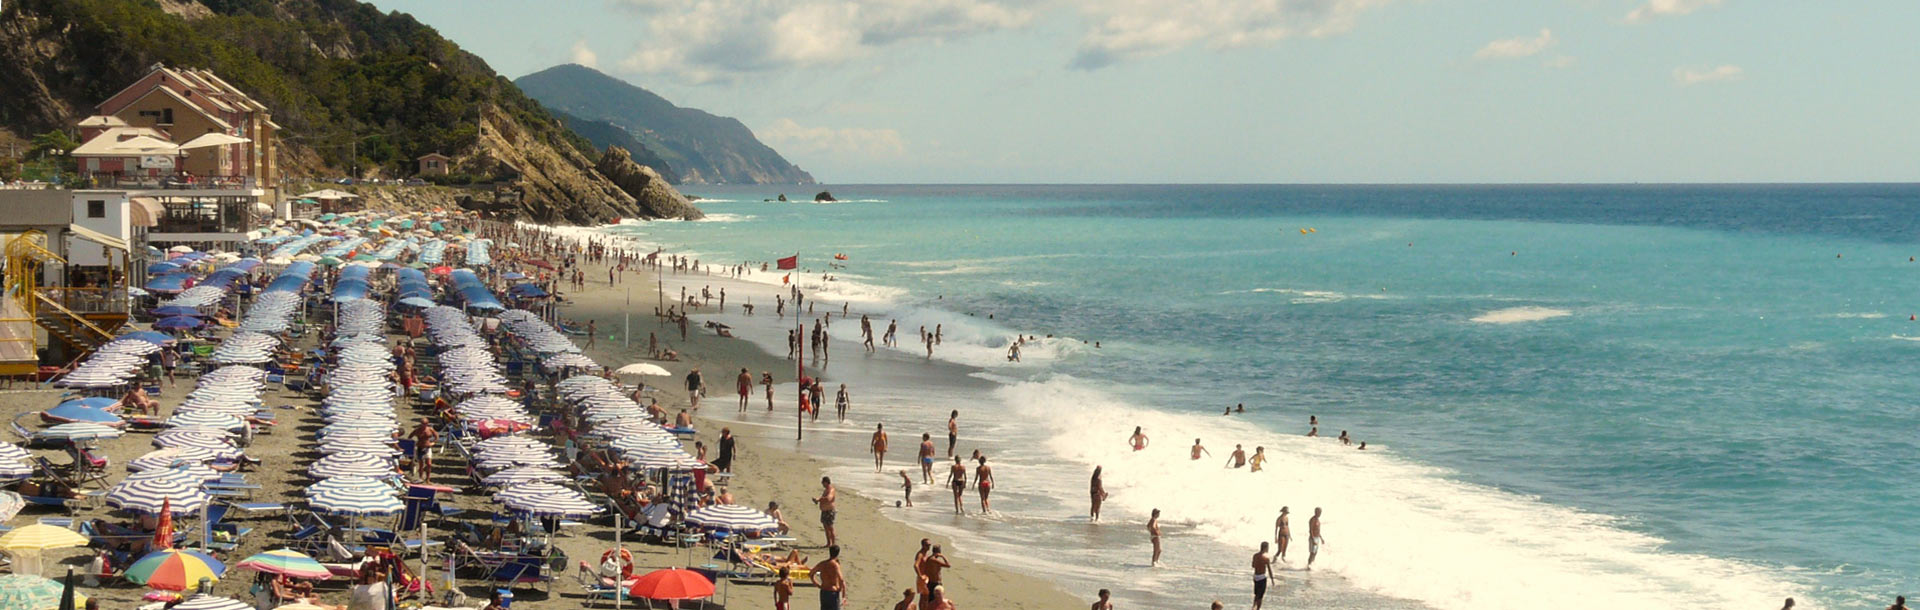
(349, 483)
(501, 442)
(358, 445)
(196, 472)
(78, 432)
(664, 460)
(209, 439)
(351, 463)
(10, 451)
(167, 458)
(206, 419)
(541, 499)
(732, 517)
(524, 474)
(211, 602)
(146, 495)
(356, 502)
(14, 470)
(643, 441)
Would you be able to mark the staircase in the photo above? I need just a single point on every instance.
(68, 326)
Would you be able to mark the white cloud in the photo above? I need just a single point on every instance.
(1665, 8)
(584, 55)
(1561, 62)
(790, 135)
(1694, 76)
(716, 40)
(1120, 30)
(1522, 46)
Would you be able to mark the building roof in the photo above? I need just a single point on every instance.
(213, 138)
(102, 120)
(189, 103)
(111, 144)
(435, 155)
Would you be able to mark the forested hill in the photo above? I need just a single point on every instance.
(340, 77)
(701, 147)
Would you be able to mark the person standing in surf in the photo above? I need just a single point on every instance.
(1262, 566)
(1313, 537)
(957, 479)
(1282, 533)
(1199, 450)
(745, 387)
(1098, 489)
(926, 457)
(953, 431)
(841, 401)
(1153, 532)
(1259, 457)
(878, 446)
(983, 476)
(766, 379)
(1238, 458)
(1138, 440)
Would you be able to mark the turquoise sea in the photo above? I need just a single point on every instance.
(1573, 396)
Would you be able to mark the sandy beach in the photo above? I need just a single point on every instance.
(770, 466)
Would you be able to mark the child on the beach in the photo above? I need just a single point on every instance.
(906, 484)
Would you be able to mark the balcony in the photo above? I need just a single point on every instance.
(169, 181)
(204, 214)
(88, 300)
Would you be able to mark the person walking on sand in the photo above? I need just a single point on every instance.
(920, 578)
(878, 446)
(926, 457)
(841, 401)
(1238, 458)
(1153, 532)
(1313, 537)
(745, 386)
(694, 387)
(592, 330)
(832, 583)
(1199, 450)
(1282, 533)
(953, 430)
(1138, 440)
(931, 565)
(1104, 603)
(957, 479)
(983, 476)
(783, 591)
(1098, 490)
(1261, 568)
(827, 512)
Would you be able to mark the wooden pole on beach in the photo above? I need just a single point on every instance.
(800, 372)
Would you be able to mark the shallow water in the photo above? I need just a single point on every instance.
(1653, 396)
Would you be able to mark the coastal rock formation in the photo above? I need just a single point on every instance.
(655, 198)
(824, 196)
(702, 148)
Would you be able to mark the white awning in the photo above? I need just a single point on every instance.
(145, 212)
(213, 139)
(98, 237)
(327, 194)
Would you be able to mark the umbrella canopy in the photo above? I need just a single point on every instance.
(97, 402)
(176, 310)
(78, 432)
(167, 458)
(285, 561)
(147, 336)
(524, 474)
(31, 592)
(546, 500)
(175, 569)
(643, 368)
(179, 322)
(212, 602)
(40, 537)
(356, 502)
(175, 491)
(732, 517)
(71, 413)
(672, 584)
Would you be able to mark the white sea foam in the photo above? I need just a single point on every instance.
(1516, 315)
(1304, 297)
(1858, 316)
(724, 217)
(1904, 337)
(1391, 526)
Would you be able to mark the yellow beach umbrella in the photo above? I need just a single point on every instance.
(40, 537)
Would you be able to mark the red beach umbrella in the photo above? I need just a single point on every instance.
(441, 270)
(672, 583)
(163, 533)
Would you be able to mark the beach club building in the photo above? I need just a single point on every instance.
(187, 151)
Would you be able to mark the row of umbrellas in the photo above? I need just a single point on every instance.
(114, 364)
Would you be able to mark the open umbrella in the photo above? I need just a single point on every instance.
(212, 602)
(32, 592)
(643, 368)
(179, 323)
(69, 412)
(670, 584)
(78, 432)
(147, 336)
(285, 561)
(175, 569)
(732, 517)
(40, 537)
(176, 310)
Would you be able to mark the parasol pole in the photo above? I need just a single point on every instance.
(619, 590)
(799, 371)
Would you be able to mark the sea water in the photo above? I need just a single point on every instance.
(1572, 396)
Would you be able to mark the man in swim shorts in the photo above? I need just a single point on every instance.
(1260, 573)
(827, 512)
(926, 458)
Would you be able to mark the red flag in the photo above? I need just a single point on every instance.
(791, 262)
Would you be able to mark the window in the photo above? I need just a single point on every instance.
(96, 208)
(166, 116)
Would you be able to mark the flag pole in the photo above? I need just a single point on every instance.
(800, 372)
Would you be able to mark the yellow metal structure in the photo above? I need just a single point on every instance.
(20, 310)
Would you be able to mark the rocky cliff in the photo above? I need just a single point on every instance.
(656, 198)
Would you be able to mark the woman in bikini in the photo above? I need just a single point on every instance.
(984, 475)
(957, 479)
(1138, 440)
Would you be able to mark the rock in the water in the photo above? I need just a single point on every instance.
(656, 198)
(783, 197)
(824, 196)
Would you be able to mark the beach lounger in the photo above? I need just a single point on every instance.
(597, 589)
(523, 570)
(254, 508)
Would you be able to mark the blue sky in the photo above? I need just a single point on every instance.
(1261, 91)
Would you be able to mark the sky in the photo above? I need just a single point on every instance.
(1259, 91)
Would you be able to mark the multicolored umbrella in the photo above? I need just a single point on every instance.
(175, 569)
(31, 592)
(285, 561)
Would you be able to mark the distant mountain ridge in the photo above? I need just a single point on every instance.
(700, 148)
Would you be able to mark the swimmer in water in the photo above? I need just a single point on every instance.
(1198, 450)
(1259, 457)
(1138, 440)
(1238, 458)
(1343, 438)
(1315, 431)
